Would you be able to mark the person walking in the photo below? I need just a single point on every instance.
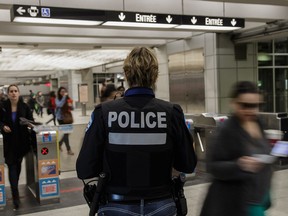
(241, 182)
(52, 107)
(40, 102)
(63, 103)
(137, 140)
(16, 137)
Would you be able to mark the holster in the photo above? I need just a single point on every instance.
(178, 194)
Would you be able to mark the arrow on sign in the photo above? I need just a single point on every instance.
(21, 10)
(169, 19)
(194, 20)
(233, 22)
(121, 16)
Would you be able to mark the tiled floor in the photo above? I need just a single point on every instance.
(194, 194)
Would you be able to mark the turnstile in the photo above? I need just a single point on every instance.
(42, 168)
(202, 128)
(2, 175)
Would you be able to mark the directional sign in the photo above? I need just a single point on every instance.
(139, 17)
(58, 13)
(213, 21)
(132, 19)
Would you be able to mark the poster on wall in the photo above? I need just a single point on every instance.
(83, 93)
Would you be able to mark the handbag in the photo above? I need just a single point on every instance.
(67, 117)
(49, 111)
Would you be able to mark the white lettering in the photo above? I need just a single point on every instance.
(150, 119)
(161, 118)
(146, 18)
(112, 116)
(125, 123)
(148, 122)
(133, 123)
(215, 22)
(142, 120)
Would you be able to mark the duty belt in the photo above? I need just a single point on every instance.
(133, 200)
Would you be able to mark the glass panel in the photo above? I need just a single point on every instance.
(281, 45)
(265, 47)
(281, 89)
(281, 60)
(265, 84)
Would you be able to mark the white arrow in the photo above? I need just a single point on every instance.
(121, 16)
(194, 20)
(20, 10)
(169, 19)
(233, 22)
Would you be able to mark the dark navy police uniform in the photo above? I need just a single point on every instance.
(137, 140)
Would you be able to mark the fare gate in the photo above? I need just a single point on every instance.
(2, 175)
(202, 128)
(44, 165)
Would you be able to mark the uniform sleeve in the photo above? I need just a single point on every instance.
(184, 154)
(90, 159)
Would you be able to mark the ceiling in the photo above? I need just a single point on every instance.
(34, 50)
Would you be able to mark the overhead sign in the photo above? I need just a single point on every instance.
(139, 17)
(57, 13)
(121, 18)
(213, 21)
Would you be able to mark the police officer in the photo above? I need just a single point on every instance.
(137, 140)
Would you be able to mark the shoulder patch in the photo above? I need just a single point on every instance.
(90, 122)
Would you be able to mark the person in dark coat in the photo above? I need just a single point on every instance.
(241, 182)
(16, 137)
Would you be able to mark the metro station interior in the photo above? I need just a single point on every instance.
(203, 48)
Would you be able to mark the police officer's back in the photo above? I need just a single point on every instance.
(137, 140)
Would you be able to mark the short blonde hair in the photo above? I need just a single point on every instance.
(141, 68)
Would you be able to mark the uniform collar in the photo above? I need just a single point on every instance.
(139, 91)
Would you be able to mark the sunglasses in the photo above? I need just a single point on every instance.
(249, 105)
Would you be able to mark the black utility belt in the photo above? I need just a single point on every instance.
(134, 200)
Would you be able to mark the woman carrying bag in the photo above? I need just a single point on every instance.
(64, 105)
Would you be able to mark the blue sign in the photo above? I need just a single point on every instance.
(46, 138)
(45, 12)
(2, 195)
(49, 187)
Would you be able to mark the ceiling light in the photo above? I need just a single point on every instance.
(139, 25)
(208, 28)
(56, 21)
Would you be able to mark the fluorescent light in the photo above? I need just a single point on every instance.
(211, 28)
(137, 24)
(56, 21)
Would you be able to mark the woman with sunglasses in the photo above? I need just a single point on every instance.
(241, 181)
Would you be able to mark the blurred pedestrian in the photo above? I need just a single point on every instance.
(64, 104)
(40, 100)
(51, 107)
(109, 93)
(16, 137)
(241, 181)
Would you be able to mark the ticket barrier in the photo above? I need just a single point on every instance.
(2, 176)
(42, 168)
(202, 128)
